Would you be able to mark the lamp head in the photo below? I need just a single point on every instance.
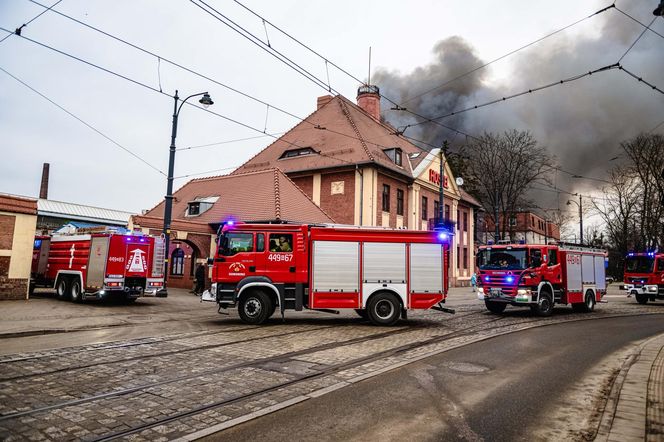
(206, 100)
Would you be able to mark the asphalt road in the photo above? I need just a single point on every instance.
(506, 388)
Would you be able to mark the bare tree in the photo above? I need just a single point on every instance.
(646, 152)
(501, 168)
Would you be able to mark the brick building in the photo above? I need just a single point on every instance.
(18, 218)
(527, 227)
(359, 171)
(202, 205)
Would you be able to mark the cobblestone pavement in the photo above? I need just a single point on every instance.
(176, 385)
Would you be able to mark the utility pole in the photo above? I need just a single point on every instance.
(441, 189)
(581, 218)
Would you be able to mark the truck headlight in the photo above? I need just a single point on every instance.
(213, 288)
(480, 289)
(523, 295)
(653, 288)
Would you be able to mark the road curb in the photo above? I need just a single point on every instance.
(627, 408)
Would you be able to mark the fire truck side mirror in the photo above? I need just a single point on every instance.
(210, 262)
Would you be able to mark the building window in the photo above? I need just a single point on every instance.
(532, 221)
(512, 221)
(458, 257)
(447, 212)
(292, 153)
(177, 262)
(465, 257)
(395, 155)
(465, 221)
(399, 202)
(436, 209)
(386, 198)
(425, 211)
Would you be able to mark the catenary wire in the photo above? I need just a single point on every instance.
(82, 121)
(458, 77)
(192, 71)
(641, 80)
(48, 8)
(639, 22)
(237, 140)
(637, 39)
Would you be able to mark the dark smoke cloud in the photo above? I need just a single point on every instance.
(582, 123)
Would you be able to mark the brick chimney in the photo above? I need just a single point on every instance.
(43, 189)
(368, 98)
(322, 101)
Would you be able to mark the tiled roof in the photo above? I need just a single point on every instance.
(18, 204)
(78, 212)
(467, 197)
(256, 196)
(343, 134)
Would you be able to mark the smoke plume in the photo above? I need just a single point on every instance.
(582, 123)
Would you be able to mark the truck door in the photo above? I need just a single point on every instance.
(236, 258)
(281, 257)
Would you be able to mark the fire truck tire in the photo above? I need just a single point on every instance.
(384, 309)
(495, 307)
(641, 298)
(75, 291)
(255, 307)
(588, 304)
(62, 288)
(362, 313)
(544, 306)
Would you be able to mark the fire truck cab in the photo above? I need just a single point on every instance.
(540, 276)
(644, 276)
(380, 273)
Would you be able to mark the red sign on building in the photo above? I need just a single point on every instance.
(434, 177)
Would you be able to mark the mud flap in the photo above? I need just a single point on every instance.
(440, 308)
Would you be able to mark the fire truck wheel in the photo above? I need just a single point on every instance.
(75, 291)
(255, 307)
(495, 307)
(384, 309)
(641, 298)
(362, 313)
(544, 306)
(589, 304)
(62, 289)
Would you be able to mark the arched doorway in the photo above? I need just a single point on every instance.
(184, 256)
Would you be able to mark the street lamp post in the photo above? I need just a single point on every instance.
(168, 202)
(580, 204)
(441, 187)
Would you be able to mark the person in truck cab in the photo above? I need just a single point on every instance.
(284, 245)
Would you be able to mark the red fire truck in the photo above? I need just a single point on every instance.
(540, 276)
(644, 276)
(84, 266)
(380, 273)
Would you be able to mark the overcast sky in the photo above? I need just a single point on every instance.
(87, 168)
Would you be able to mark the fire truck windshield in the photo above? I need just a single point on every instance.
(231, 243)
(639, 264)
(502, 259)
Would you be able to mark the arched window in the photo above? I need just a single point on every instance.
(177, 262)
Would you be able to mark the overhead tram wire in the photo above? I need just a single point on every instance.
(641, 80)
(519, 94)
(153, 89)
(237, 140)
(200, 75)
(18, 30)
(637, 39)
(399, 105)
(458, 77)
(290, 63)
(639, 22)
(82, 121)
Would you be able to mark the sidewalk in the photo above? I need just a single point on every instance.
(635, 408)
